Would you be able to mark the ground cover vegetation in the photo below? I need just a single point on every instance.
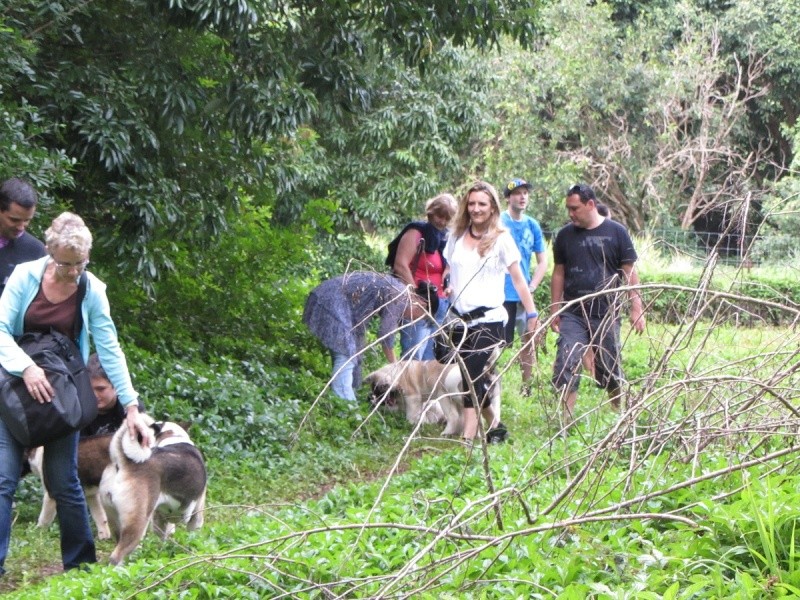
(229, 156)
(687, 493)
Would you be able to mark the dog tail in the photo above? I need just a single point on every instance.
(133, 449)
(125, 448)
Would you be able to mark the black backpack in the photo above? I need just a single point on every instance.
(390, 258)
(74, 405)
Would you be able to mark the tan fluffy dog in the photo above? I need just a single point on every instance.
(412, 384)
(165, 484)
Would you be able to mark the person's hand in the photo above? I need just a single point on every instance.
(137, 426)
(532, 324)
(637, 319)
(540, 340)
(36, 383)
(555, 324)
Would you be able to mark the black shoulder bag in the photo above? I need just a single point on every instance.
(74, 405)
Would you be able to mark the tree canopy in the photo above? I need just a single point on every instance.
(157, 119)
(169, 112)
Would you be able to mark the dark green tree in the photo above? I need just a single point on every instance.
(23, 130)
(173, 110)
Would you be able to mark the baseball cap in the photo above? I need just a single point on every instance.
(514, 184)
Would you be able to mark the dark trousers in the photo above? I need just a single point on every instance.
(577, 333)
(476, 346)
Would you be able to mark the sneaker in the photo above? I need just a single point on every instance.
(497, 435)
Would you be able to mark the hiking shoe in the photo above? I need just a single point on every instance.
(497, 435)
(525, 390)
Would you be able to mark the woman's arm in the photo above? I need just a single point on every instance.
(106, 341)
(406, 252)
(113, 360)
(524, 295)
(19, 291)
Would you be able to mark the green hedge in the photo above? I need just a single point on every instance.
(669, 305)
(743, 304)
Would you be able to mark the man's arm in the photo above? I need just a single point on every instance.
(556, 294)
(637, 311)
(539, 271)
(525, 296)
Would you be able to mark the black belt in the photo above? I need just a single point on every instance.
(475, 313)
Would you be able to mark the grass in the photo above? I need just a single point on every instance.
(656, 502)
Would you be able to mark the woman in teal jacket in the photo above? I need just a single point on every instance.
(41, 295)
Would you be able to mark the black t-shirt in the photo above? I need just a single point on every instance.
(107, 422)
(22, 249)
(592, 260)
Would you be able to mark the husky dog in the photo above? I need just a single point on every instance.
(93, 458)
(164, 485)
(409, 385)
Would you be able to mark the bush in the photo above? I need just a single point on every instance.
(673, 306)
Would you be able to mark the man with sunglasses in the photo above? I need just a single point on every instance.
(593, 255)
(17, 206)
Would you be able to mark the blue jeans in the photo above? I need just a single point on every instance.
(342, 384)
(63, 485)
(416, 341)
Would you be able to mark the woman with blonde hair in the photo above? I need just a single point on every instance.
(42, 295)
(419, 261)
(479, 253)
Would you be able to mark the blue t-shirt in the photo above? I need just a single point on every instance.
(528, 235)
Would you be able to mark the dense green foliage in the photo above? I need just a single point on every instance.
(174, 111)
(689, 525)
(230, 155)
(159, 121)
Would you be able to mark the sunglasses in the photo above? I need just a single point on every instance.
(583, 191)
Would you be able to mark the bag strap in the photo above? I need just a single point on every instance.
(415, 262)
(82, 282)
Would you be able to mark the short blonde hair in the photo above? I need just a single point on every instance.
(70, 232)
(444, 205)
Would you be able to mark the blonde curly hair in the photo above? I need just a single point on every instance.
(68, 231)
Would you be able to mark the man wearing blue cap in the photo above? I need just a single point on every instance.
(528, 235)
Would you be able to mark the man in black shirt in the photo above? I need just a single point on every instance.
(592, 256)
(17, 206)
